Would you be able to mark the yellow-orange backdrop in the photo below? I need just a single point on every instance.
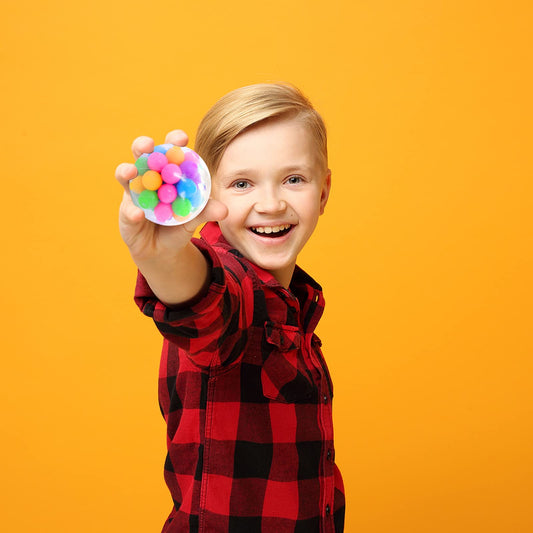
(424, 252)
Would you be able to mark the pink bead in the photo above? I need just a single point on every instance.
(192, 156)
(156, 161)
(171, 173)
(167, 193)
(163, 212)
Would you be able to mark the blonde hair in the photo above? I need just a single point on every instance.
(245, 107)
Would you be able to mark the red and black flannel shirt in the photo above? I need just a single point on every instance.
(246, 396)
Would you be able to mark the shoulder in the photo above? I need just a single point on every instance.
(227, 264)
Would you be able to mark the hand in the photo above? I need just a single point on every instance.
(146, 240)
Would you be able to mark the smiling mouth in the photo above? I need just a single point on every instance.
(272, 231)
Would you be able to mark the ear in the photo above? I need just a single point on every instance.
(324, 195)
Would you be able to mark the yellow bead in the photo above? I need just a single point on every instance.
(152, 180)
(136, 185)
(175, 155)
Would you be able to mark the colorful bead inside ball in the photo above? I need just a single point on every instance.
(171, 173)
(167, 193)
(152, 180)
(148, 199)
(163, 212)
(157, 161)
(172, 185)
(175, 155)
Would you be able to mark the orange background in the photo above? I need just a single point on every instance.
(424, 252)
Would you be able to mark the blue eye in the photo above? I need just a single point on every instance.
(294, 180)
(241, 184)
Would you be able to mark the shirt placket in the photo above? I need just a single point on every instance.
(327, 483)
(326, 427)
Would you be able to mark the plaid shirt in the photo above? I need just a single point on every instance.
(246, 396)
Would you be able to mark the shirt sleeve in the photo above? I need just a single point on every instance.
(212, 328)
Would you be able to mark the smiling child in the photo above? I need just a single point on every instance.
(244, 388)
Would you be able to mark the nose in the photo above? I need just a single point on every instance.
(270, 201)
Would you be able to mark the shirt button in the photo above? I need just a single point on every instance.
(325, 398)
(328, 510)
(329, 455)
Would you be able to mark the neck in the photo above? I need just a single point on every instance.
(284, 276)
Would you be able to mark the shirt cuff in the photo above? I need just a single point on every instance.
(208, 300)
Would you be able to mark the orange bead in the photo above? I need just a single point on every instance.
(175, 155)
(152, 180)
(136, 185)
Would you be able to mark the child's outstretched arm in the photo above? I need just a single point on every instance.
(173, 267)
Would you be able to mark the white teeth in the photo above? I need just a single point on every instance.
(271, 229)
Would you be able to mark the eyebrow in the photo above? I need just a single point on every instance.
(245, 172)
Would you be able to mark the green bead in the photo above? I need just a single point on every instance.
(181, 206)
(142, 164)
(148, 199)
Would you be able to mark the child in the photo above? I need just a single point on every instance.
(243, 386)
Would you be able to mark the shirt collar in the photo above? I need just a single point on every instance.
(303, 287)
(212, 234)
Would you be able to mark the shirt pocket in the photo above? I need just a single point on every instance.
(283, 374)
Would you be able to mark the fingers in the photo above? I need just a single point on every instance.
(142, 145)
(129, 213)
(213, 211)
(145, 145)
(124, 173)
(131, 221)
(177, 137)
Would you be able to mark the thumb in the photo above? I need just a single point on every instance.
(213, 211)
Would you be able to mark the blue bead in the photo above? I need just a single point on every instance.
(196, 199)
(186, 188)
(162, 148)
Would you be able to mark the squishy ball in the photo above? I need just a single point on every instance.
(172, 185)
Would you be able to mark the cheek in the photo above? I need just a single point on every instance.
(309, 204)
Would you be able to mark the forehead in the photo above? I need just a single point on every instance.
(273, 143)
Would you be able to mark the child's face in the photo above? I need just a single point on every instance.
(275, 187)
